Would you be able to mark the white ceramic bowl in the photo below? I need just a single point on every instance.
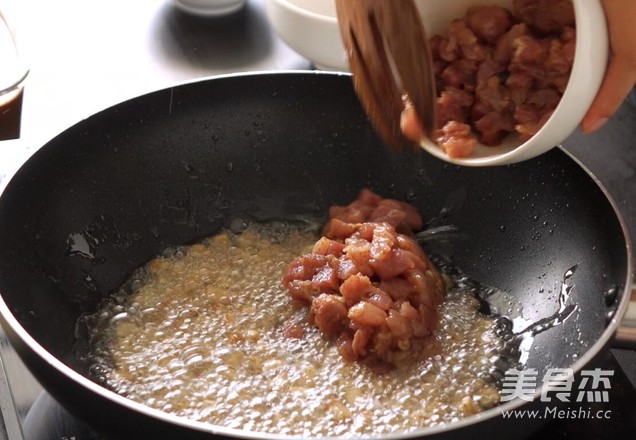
(310, 28)
(590, 62)
(209, 8)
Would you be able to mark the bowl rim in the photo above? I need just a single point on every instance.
(306, 12)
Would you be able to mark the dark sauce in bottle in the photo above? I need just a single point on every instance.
(12, 75)
(10, 114)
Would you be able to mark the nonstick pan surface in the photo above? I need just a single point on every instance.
(177, 165)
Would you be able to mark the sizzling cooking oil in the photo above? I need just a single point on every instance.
(199, 332)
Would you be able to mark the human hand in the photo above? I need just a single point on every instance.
(621, 70)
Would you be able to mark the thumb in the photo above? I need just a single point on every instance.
(618, 82)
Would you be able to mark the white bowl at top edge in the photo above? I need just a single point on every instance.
(209, 8)
(310, 27)
(590, 62)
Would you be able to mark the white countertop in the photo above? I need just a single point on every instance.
(85, 56)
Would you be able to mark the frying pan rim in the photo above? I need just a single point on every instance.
(8, 320)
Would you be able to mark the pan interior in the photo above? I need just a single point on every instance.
(177, 165)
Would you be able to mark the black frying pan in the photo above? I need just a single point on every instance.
(177, 165)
